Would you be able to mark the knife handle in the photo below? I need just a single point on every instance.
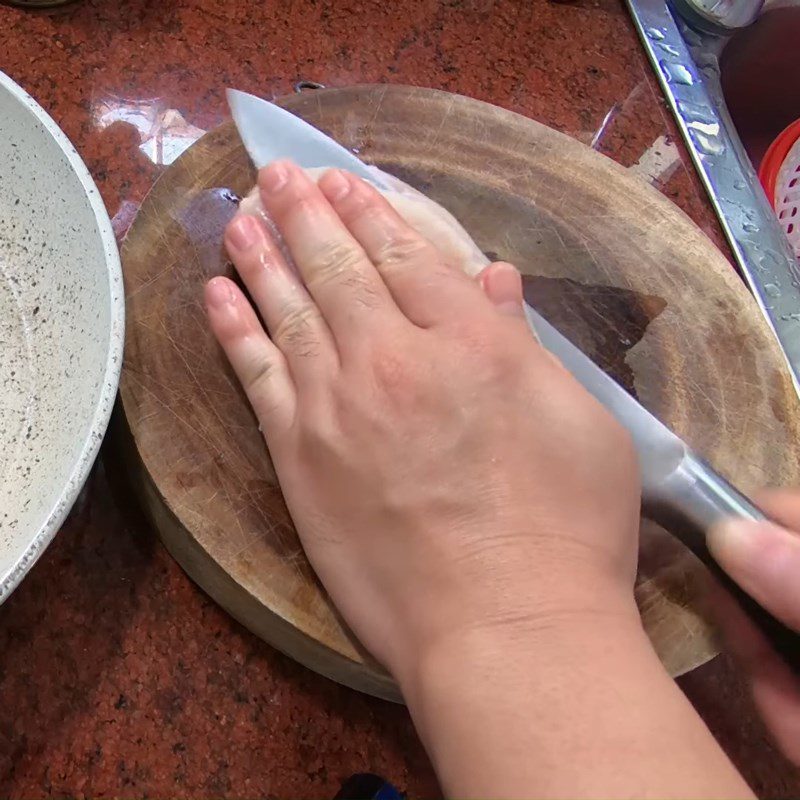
(694, 498)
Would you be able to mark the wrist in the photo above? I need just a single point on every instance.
(537, 634)
(545, 709)
(488, 699)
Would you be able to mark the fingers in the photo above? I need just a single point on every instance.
(334, 267)
(764, 559)
(776, 691)
(777, 696)
(502, 284)
(742, 637)
(782, 505)
(258, 363)
(292, 317)
(425, 288)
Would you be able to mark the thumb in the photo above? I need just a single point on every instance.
(764, 559)
(502, 284)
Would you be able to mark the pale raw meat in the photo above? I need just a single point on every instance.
(426, 216)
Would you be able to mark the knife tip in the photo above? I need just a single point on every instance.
(234, 96)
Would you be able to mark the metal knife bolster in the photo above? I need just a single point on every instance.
(692, 498)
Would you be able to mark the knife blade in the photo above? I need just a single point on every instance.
(678, 488)
(269, 133)
(676, 484)
(660, 450)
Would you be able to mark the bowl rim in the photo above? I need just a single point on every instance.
(10, 579)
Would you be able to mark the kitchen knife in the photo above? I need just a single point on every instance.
(269, 133)
(678, 488)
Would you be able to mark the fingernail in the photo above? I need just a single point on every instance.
(219, 293)
(274, 177)
(337, 186)
(738, 542)
(243, 232)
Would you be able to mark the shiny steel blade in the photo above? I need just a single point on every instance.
(660, 451)
(269, 133)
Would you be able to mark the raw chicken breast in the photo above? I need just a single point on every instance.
(426, 216)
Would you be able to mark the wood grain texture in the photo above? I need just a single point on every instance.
(610, 261)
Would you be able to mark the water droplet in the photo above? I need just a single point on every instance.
(698, 112)
(740, 184)
(707, 145)
(795, 317)
(655, 34)
(749, 227)
(676, 73)
(772, 289)
(769, 260)
(355, 150)
(708, 127)
(668, 48)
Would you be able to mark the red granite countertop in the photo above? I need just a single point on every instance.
(118, 677)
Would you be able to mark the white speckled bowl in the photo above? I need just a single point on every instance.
(61, 329)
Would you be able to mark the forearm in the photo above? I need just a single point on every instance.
(577, 706)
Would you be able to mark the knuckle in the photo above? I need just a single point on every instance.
(259, 373)
(342, 264)
(334, 260)
(302, 204)
(364, 292)
(252, 263)
(398, 380)
(361, 202)
(297, 331)
(403, 249)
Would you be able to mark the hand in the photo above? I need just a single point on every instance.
(441, 470)
(764, 559)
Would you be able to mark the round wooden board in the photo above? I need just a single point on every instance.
(608, 259)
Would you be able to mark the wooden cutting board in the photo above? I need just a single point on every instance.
(608, 259)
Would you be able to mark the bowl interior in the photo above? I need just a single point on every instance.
(60, 327)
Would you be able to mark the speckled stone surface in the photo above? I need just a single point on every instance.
(117, 676)
(61, 329)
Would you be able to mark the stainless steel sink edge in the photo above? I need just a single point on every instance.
(687, 66)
